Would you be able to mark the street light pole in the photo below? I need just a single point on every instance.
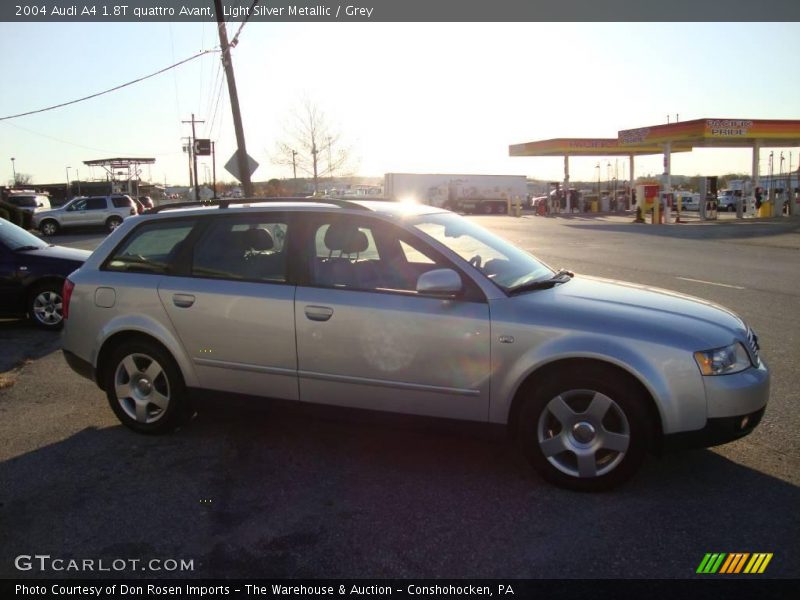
(14, 171)
(66, 195)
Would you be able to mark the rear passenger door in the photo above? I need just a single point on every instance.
(96, 211)
(367, 339)
(232, 305)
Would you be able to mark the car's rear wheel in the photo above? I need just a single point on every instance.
(48, 227)
(45, 305)
(145, 388)
(586, 430)
(112, 223)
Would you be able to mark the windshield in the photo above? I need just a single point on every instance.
(14, 237)
(503, 263)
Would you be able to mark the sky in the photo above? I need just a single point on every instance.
(404, 97)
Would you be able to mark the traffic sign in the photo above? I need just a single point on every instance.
(232, 166)
(202, 147)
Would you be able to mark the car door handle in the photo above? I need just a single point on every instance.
(318, 313)
(182, 300)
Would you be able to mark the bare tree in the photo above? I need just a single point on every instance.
(22, 179)
(311, 146)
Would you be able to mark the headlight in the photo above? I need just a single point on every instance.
(723, 361)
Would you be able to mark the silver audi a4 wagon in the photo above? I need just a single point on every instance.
(409, 309)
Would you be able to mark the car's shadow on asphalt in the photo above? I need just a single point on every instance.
(273, 493)
(20, 340)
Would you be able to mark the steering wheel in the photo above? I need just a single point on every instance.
(476, 261)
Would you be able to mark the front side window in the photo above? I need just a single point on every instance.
(367, 255)
(243, 249)
(503, 263)
(152, 248)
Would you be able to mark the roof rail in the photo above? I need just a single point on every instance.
(225, 202)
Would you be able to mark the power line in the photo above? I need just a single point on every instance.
(68, 143)
(119, 87)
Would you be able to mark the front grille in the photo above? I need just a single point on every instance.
(752, 340)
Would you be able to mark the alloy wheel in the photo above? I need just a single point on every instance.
(583, 433)
(47, 307)
(142, 388)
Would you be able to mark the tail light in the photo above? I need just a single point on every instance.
(66, 295)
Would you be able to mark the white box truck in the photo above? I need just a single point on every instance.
(463, 193)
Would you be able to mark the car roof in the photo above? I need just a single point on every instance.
(381, 207)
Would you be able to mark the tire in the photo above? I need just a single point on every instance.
(49, 227)
(45, 305)
(585, 429)
(112, 223)
(145, 388)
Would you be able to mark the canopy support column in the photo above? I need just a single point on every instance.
(566, 183)
(754, 175)
(631, 190)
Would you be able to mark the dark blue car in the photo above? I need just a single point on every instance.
(32, 273)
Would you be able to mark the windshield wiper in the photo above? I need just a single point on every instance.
(562, 276)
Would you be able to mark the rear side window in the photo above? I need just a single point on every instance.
(96, 204)
(122, 202)
(243, 249)
(23, 201)
(151, 248)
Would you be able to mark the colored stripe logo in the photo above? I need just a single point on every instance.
(734, 563)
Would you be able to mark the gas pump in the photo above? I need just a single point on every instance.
(708, 198)
(667, 200)
(647, 196)
(554, 197)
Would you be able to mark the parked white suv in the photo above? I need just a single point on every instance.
(105, 211)
(29, 202)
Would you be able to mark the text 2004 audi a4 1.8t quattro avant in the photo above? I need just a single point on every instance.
(409, 309)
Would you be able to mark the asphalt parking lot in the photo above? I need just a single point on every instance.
(271, 492)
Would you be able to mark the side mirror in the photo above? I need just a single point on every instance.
(440, 282)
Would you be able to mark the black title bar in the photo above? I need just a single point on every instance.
(109, 11)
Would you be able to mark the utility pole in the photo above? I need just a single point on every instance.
(227, 63)
(188, 148)
(194, 157)
(294, 171)
(214, 169)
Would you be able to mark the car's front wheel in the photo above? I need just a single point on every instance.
(585, 429)
(45, 305)
(145, 388)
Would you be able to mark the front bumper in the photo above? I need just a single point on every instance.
(734, 405)
(716, 432)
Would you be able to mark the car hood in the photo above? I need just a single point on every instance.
(58, 253)
(625, 309)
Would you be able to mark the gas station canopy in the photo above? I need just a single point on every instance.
(586, 147)
(715, 133)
